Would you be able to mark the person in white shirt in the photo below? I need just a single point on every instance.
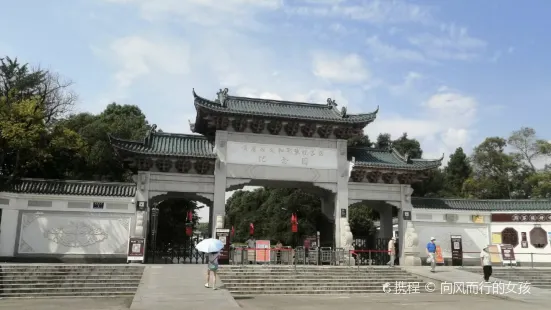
(486, 263)
(391, 251)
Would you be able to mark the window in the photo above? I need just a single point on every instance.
(509, 236)
(538, 237)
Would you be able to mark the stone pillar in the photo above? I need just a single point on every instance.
(8, 232)
(211, 219)
(386, 229)
(219, 203)
(409, 241)
(341, 201)
(142, 195)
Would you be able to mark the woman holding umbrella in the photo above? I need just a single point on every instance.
(213, 248)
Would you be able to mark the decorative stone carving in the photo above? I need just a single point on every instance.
(346, 240)
(144, 164)
(257, 125)
(331, 102)
(340, 133)
(24, 247)
(125, 222)
(219, 222)
(163, 165)
(374, 176)
(405, 178)
(221, 122)
(183, 166)
(139, 231)
(291, 128)
(357, 175)
(274, 127)
(324, 131)
(308, 130)
(389, 178)
(202, 166)
(239, 124)
(76, 235)
(411, 242)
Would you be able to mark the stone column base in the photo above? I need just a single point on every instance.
(410, 260)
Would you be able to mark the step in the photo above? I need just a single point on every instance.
(312, 292)
(86, 289)
(65, 281)
(69, 285)
(66, 295)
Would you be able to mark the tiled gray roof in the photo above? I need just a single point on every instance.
(283, 109)
(167, 144)
(72, 188)
(481, 205)
(390, 159)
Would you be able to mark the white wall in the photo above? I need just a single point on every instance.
(70, 233)
(523, 254)
(64, 225)
(433, 223)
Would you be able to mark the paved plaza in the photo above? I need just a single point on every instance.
(386, 301)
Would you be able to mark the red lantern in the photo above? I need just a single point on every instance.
(251, 229)
(294, 223)
(189, 224)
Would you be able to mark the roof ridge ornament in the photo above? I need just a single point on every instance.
(222, 96)
(331, 102)
(150, 133)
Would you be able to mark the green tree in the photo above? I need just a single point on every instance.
(383, 141)
(457, 172)
(528, 146)
(493, 171)
(407, 146)
(360, 219)
(172, 220)
(360, 141)
(100, 162)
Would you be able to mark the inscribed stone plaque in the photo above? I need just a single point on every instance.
(141, 206)
(281, 155)
(406, 215)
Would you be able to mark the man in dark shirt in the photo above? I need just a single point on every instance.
(431, 253)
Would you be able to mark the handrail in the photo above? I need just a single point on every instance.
(506, 260)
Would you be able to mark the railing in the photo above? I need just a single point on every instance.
(307, 256)
(518, 261)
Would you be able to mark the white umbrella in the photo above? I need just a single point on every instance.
(210, 246)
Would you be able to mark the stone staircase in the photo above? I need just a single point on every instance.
(537, 277)
(247, 281)
(61, 281)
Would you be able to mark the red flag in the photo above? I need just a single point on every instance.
(294, 223)
(251, 229)
(232, 231)
(190, 216)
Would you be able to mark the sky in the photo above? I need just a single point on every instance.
(449, 73)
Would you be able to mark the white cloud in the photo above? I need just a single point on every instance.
(372, 11)
(382, 51)
(454, 43)
(341, 69)
(138, 56)
(443, 125)
(215, 13)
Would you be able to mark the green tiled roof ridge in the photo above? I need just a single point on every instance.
(336, 112)
(72, 187)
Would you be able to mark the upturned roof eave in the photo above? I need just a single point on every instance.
(358, 119)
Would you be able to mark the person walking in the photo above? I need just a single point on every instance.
(251, 250)
(392, 251)
(212, 268)
(431, 254)
(486, 263)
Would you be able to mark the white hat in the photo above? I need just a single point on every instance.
(432, 238)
